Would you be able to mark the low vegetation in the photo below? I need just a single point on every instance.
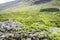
(30, 17)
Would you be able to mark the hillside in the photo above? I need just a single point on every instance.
(38, 19)
(9, 4)
(21, 3)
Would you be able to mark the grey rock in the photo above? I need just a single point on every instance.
(8, 29)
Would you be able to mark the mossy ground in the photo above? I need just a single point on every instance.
(31, 17)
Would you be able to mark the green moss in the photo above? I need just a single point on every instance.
(32, 18)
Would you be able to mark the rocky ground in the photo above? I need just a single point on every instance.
(8, 31)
